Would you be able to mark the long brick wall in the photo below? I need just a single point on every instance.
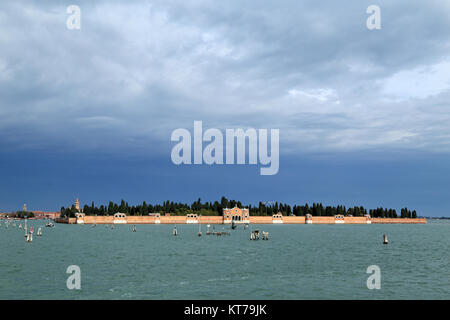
(294, 220)
(260, 219)
(141, 219)
(211, 219)
(356, 220)
(252, 220)
(323, 220)
(399, 220)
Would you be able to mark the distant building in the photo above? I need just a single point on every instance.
(236, 214)
(46, 214)
(24, 209)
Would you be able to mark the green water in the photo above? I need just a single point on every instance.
(298, 262)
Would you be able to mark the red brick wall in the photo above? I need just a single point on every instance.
(294, 220)
(322, 220)
(355, 220)
(252, 219)
(398, 220)
(260, 219)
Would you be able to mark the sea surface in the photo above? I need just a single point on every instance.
(298, 262)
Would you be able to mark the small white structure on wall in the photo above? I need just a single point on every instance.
(80, 217)
(191, 218)
(277, 218)
(157, 217)
(120, 218)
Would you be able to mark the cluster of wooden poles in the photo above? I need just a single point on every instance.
(208, 232)
(254, 235)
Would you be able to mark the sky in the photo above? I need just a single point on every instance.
(363, 114)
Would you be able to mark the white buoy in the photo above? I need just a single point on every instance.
(385, 239)
(39, 232)
(134, 228)
(175, 232)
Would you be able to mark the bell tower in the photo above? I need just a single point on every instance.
(77, 205)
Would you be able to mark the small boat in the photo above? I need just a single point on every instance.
(49, 225)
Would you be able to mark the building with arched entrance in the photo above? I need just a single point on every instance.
(236, 214)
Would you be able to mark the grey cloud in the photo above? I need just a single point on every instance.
(137, 70)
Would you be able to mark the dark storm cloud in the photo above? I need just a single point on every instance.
(139, 69)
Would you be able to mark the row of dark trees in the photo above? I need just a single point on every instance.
(216, 207)
(23, 214)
